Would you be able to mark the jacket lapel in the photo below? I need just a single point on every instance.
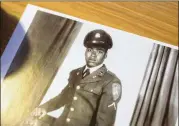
(77, 76)
(95, 76)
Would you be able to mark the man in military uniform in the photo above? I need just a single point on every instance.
(93, 92)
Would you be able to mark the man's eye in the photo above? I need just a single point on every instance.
(100, 51)
(89, 50)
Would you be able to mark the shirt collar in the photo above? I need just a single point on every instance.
(92, 69)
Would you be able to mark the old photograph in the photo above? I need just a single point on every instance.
(59, 70)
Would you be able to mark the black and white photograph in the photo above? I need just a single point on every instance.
(59, 70)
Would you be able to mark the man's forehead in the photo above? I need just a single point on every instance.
(96, 48)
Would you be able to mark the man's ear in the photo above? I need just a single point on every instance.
(105, 55)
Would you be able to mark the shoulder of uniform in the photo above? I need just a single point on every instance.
(113, 75)
(76, 70)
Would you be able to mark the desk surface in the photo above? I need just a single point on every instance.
(156, 20)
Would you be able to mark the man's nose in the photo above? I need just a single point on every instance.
(94, 53)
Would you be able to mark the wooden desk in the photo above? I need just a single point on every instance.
(156, 20)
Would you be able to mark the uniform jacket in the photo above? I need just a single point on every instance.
(89, 101)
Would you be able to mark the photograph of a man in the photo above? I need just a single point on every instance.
(92, 93)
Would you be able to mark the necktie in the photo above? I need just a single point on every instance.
(86, 73)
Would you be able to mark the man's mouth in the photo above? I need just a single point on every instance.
(92, 60)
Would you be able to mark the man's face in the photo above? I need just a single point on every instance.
(95, 56)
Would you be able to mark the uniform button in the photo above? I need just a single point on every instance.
(72, 109)
(75, 98)
(94, 76)
(68, 119)
(91, 90)
(78, 87)
(78, 73)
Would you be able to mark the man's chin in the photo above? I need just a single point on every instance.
(91, 64)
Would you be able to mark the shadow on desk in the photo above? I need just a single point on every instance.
(8, 24)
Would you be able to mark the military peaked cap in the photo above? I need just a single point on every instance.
(98, 38)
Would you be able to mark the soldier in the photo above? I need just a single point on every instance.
(93, 92)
